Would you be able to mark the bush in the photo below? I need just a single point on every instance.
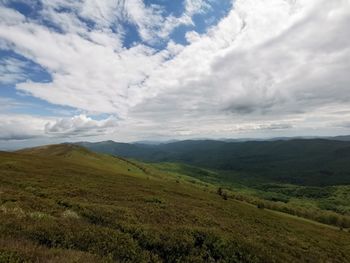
(97, 240)
(261, 205)
(12, 257)
(191, 245)
(219, 191)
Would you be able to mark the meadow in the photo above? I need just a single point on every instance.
(65, 203)
(328, 205)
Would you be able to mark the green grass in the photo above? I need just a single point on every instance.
(322, 204)
(64, 203)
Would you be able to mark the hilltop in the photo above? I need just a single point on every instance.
(65, 203)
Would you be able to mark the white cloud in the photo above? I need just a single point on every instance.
(153, 26)
(268, 65)
(12, 70)
(107, 15)
(24, 126)
(10, 16)
(21, 127)
(193, 7)
(86, 75)
(81, 126)
(266, 60)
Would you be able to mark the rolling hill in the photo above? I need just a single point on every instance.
(64, 203)
(310, 162)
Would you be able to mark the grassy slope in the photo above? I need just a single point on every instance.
(313, 162)
(64, 202)
(330, 205)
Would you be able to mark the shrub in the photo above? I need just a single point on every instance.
(97, 240)
(261, 205)
(70, 214)
(11, 256)
(219, 191)
(154, 200)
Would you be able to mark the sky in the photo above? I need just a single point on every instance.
(129, 70)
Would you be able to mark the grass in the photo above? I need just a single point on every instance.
(329, 204)
(66, 203)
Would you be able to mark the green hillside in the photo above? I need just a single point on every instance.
(310, 162)
(63, 203)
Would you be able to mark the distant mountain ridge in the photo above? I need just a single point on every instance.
(158, 142)
(341, 138)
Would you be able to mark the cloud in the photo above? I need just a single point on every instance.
(88, 64)
(20, 127)
(268, 65)
(106, 17)
(152, 25)
(193, 7)
(80, 125)
(86, 75)
(10, 16)
(266, 60)
(12, 71)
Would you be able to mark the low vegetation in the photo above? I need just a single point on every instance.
(65, 204)
(328, 205)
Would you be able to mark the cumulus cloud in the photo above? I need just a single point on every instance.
(80, 125)
(268, 65)
(21, 127)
